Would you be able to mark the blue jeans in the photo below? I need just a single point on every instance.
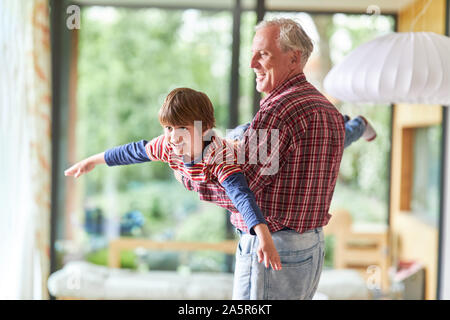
(301, 257)
(354, 129)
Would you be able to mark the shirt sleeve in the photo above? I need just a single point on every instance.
(129, 153)
(222, 161)
(158, 149)
(244, 200)
(187, 183)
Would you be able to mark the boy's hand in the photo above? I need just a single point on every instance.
(269, 254)
(85, 165)
(266, 249)
(80, 168)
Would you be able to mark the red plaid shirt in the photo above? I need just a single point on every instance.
(304, 141)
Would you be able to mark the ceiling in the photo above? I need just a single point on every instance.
(358, 6)
(354, 6)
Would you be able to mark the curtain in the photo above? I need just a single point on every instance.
(25, 148)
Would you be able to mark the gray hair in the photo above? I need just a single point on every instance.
(292, 36)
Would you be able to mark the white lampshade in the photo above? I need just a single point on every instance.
(410, 67)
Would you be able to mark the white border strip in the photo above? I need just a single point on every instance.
(445, 228)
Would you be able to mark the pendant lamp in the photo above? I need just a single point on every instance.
(406, 67)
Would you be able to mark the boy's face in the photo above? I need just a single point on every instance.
(185, 140)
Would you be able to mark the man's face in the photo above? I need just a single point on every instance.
(271, 66)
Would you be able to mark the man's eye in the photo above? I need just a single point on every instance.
(168, 128)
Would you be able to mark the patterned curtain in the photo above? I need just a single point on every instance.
(25, 148)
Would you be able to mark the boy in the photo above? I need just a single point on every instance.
(183, 147)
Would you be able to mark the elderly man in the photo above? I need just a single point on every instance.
(296, 197)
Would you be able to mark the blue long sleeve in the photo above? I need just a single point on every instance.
(129, 153)
(238, 132)
(244, 200)
(354, 129)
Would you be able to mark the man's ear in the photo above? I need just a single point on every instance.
(296, 58)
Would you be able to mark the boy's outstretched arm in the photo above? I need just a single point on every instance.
(86, 165)
(129, 153)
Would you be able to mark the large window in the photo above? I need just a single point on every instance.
(128, 61)
(426, 173)
(363, 184)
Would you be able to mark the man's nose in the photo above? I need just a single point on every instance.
(254, 62)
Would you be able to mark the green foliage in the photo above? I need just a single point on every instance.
(329, 251)
(363, 184)
(247, 77)
(207, 224)
(364, 165)
(129, 60)
(129, 63)
(350, 31)
(163, 205)
(100, 257)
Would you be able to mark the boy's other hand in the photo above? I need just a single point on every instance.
(266, 250)
(268, 254)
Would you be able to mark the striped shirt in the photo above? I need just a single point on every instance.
(217, 167)
(302, 134)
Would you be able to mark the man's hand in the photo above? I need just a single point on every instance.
(85, 165)
(266, 249)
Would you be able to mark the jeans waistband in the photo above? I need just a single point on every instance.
(316, 230)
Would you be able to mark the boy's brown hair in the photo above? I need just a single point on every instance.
(183, 106)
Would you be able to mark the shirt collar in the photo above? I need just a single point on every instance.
(198, 159)
(294, 81)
